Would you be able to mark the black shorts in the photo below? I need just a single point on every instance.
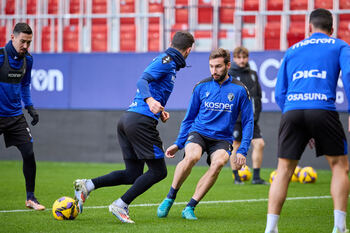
(138, 137)
(237, 132)
(297, 127)
(15, 130)
(209, 145)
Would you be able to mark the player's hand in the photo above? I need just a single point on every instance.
(164, 116)
(154, 105)
(32, 112)
(170, 152)
(240, 160)
(312, 143)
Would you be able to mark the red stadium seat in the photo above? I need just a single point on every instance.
(181, 2)
(153, 37)
(250, 5)
(46, 39)
(52, 7)
(344, 26)
(10, 7)
(31, 7)
(155, 6)
(273, 5)
(74, 8)
(127, 6)
(181, 15)
(326, 4)
(344, 4)
(227, 10)
(344, 17)
(71, 38)
(344, 35)
(127, 37)
(296, 32)
(205, 11)
(298, 4)
(99, 38)
(99, 7)
(272, 36)
(3, 34)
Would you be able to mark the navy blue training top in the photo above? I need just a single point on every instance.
(213, 111)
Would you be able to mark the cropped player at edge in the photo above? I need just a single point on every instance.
(208, 127)
(306, 92)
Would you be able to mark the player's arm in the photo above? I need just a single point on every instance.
(247, 117)
(344, 60)
(25, 92)
(156, 70)
(186, 124)
(281, 85)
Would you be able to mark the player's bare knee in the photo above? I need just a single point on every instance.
(191, 159)
(259, 144)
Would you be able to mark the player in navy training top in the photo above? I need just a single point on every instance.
(15, 77)
(137, 130)
(306, 92)
(208, 127)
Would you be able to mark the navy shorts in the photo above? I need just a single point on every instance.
(138, 137)
(209, 145)
(297, 127)
(237, 132)
(15, 130)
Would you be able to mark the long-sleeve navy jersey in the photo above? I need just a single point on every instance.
(157, 81)
(250, 79)
(307, 78)
(213, 111)
(11, 94)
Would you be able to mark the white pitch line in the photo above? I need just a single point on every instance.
(182, 203)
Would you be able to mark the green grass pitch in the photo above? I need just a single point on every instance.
(244, 211)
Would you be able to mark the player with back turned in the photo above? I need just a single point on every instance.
(306, 93)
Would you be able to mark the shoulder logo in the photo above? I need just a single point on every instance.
(207, 94)
(253, 77)
(230, 96)
(166, 59)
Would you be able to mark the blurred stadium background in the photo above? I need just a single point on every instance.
(88, 55)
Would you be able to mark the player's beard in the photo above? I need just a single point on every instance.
(222, 77)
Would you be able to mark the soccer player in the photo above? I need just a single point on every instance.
(15, 77)
(240, 70)
(137, 130)
(306, 91)
(208, 127)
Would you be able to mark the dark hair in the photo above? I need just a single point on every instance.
(182, 40)
(220, 52)
(22, 27)
(240, 50)
(322, 19)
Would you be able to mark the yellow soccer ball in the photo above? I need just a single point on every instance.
(307, 175)
(272, 176)
(295, 176)
(244, 173)
(65, 208)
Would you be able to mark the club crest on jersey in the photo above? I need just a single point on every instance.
(166, 59)
(230, 96)
(207, 94)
